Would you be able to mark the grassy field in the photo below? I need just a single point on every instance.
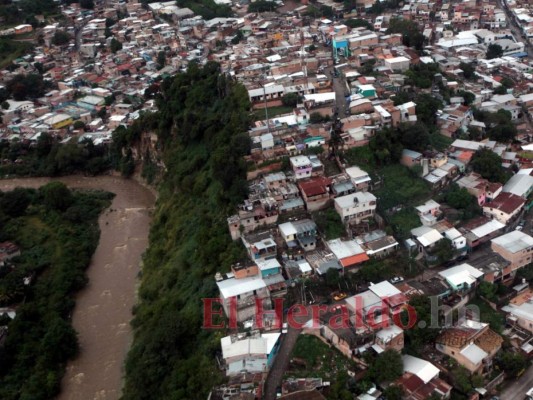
(10, 50)
(488, 315)
(272, 112)
(313, 358)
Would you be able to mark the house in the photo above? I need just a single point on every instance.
(515, 246)
(426, 237)
(420, 380)
(472, 344)
(391, 337)
(8, 250)
(504, 207)
(461, 277)
(301, 166)
(377, 243)
(348, 252)
(457, 239)
(240, 295)
(259, 246)
(397, 64)
(315, 192)
(250, 354)
(356, 206)
(411, 158)
(360, 179)
(429, 212)
(520, 314)
(302, 233)
(520, 184)
(481, 230)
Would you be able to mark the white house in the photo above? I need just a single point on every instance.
(356, 206)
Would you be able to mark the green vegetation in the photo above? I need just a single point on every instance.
(460, 199)
(61, 38)
(10, 50)
(488, 315)
(259, 114)
(57, 232)
(417, 337)
(359, 23)
(115, 45)
(403, 221)
(514, 364)
(469, 71)
(401, 186)
(387, 367)
(202, 126)
(494, 51)
(329, 223)
(24, 87)
(421, 75)
(26, 10)
(262, 6)
(50, 158)
(411, 35)
(489, 165)
(208, 9)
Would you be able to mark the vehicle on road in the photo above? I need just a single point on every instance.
(339, 296)
(284, 328)
(519, 228)
(529, 394)
(396, 279)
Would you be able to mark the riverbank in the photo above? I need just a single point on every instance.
(103, 308)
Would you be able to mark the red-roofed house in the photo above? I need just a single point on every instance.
(315, 192)
(504, 207)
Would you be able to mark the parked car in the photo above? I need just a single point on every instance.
(339, 296)
(396, 279)
(284, 328)
(519, 228)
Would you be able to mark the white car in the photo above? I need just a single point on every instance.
(519, 228)
(284, 328)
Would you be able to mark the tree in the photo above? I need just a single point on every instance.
(387, 367)
(386, 146)
(488, 290)
(238, 37)
(5, 105)
(512, 363)
(87, 4)
(359, 23)
(15, 202)
(290, 99)
(494, 51)
(469, 72)
(488, 164)
(443, 250)
(161, 59)
(56, 196)
(332, 277)
(115, 45)
(393, 392)
(316, 118)
(22, 87)
(262, 6)
(468, 97)
(414, 136)
(506, 82)
(61, 38)
(461, 379)
(420, 334)
(426, 108)
(411, 35)
(79, 124)
(457, 197)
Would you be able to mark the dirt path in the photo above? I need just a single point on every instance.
(103, 309)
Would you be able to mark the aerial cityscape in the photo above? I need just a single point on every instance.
(239, 200)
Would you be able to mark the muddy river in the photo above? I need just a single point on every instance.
(103, 309)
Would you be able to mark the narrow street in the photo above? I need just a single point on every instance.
(339, 88)
(514, 27)
(281, 362)
(517, 390)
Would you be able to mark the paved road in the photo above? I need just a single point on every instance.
(340, 88)
(513, 26)
(517, 390)
(281, 363)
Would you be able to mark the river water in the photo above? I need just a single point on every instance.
(103, 308)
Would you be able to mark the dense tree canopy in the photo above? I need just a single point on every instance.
(494, 51)
(488, 164)
(411, 35)
(387, 367)
(23, 87)
(202, 124)
(61, 38)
